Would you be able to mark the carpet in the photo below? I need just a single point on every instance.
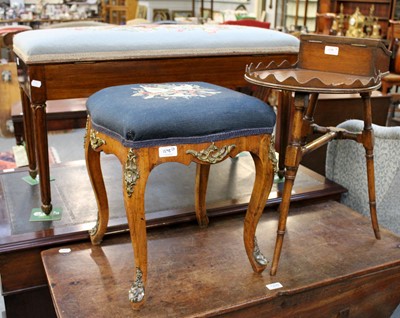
(7, 160)
(10, 160)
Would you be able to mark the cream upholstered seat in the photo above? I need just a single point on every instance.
(146, 125)
(146, 41)
(344, 167)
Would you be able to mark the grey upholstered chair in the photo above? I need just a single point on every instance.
(345, 165)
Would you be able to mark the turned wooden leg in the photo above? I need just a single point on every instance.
(292, 161)
(134, 184)
(308, 119)
(262, 186)
(368, 143)
(93, 167)
(42, 151)
(283, 128)
(29, 134)
(202, 173)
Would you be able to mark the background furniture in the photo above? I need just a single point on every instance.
(384, 10)
(144, 57)
(250, 23)
(343, 167)
(63, 114)
(393, 78)
(118, 11)
(9, 88)
(301, 14)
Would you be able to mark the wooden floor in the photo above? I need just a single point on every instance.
(331, 266)
(169, 201)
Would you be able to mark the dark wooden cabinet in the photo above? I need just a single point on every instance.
(383, 10)
(396, 10)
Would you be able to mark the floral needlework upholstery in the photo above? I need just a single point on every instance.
(345, 165)
(173, 91)
(177, 113)
(115, 42)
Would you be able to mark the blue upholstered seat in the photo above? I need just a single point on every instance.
(178, 113)
(193, 122)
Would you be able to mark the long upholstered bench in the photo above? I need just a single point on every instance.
(76, 62)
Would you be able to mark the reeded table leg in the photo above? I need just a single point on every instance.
(292, 161)
(42, 150)
(28, 135)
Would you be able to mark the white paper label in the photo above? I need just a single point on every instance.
(170, 151)
(274, 286)
(17, 60)
(36, 83)
(331, 50)
(64, 250)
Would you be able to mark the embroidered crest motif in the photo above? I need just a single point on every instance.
(172, 91)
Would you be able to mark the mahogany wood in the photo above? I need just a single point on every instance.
(302, 127)
(318, 71)
(204, 273)
(21, 269)
(79, 80)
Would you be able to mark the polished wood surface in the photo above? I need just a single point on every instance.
(80, 80)
(168, 203)
(137, 165)
(332, 267)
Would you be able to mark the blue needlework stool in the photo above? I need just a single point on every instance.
(145, 125)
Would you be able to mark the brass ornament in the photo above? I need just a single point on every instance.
(136, 292)
(212, 154)
(86, 131)
(340, 21)
(356, 25)
(258, 256)
(272, 154)
(37, 106)
(131, 172)
(94, 229)
(95, 141)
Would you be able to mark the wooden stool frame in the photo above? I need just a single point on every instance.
(137, 165)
